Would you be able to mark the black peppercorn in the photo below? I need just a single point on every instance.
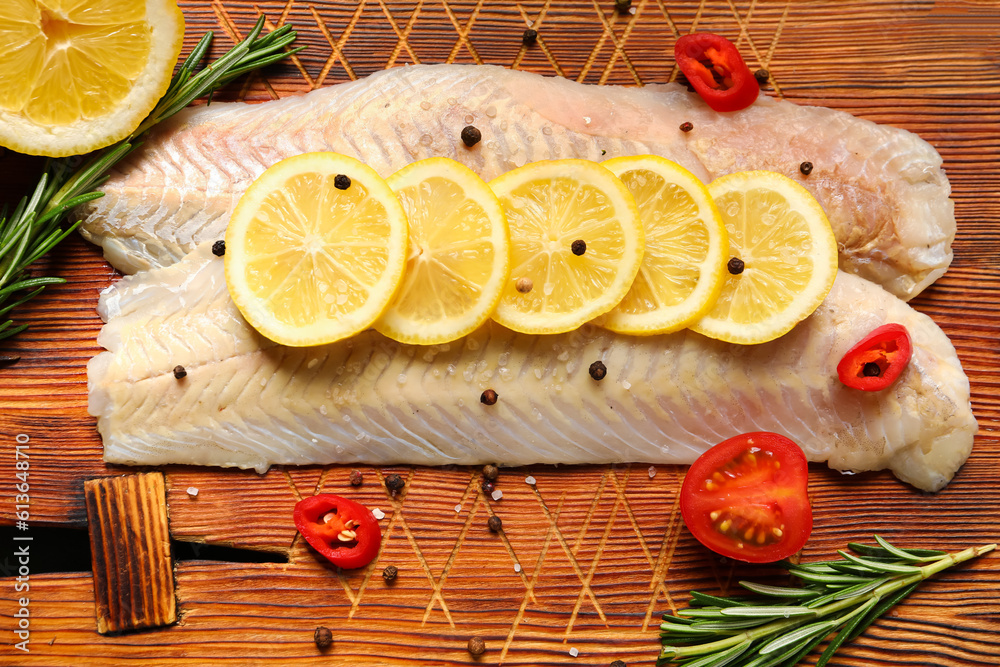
(529, 37)
(219, 248)
(687, 127)
(356, 477)
(487, 486)
(341, 182)
(489, 397)
(618, 663)
(491, 472)
(806, 168)
(477, 646)
(179, 372)
(471, 136)
(495, 524)
(394, 483)
(871, 370)
(578, 247)
(735, 266)
(622, 6)
(762, 76)
(598, 370)
(323, 638)
(389, 573)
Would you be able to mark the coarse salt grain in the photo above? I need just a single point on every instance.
(574, 652)
(378, 514)
(652, 472)
(192, 491)
(497, 494)
(458, 508)
(529, 480)
(517, 567)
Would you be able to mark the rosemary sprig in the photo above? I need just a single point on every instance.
(35, 226)
(784, 624)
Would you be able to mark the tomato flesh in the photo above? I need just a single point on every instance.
(747, 498)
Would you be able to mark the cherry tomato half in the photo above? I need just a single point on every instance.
(747, 498)
(343, 531)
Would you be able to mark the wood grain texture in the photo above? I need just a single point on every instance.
(130, 552)
(602, 550)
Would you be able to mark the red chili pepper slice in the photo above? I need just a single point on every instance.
(343, 531)
(876, 362)
(716, 70)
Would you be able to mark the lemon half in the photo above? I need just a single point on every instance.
(77, 76)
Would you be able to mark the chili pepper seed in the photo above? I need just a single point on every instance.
(341, 182)
(471, 136)
(529, 37)
(495, 524)
(390, 573)
(323, 638)
(735, 266)
(579, 247)
(394, 483)
(806, 168)
(598, 370)
(477, 646)
(489, 397)
(179, 372)
(686, 126)
(219, 248)
(357, 479)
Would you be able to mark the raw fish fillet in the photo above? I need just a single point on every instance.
(882, 188)
(251, 403)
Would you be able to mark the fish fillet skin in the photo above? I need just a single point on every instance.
(882, 188)
(251, 403)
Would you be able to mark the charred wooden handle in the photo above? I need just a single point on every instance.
(130, 552)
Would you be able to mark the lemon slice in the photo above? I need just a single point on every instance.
(784, 257)
(576, 244)
(315, 249)
(76, 76)
(459, 253)
(686, 248)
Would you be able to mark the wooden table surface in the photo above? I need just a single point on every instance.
(602, 550)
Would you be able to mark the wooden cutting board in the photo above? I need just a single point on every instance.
(601, 550)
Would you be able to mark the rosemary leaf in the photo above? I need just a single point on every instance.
(880, 567)
(721, 659)
(35, 225)
(869, 550)
(767, 612)
(779, 591)
(704, 599)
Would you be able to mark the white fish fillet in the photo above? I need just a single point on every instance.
(250, 403)
(883, 188)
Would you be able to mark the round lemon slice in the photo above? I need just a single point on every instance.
(576, 244)
(78, 76)
(686, 248)
(315, 249)
(784, 257)
(459, 253)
